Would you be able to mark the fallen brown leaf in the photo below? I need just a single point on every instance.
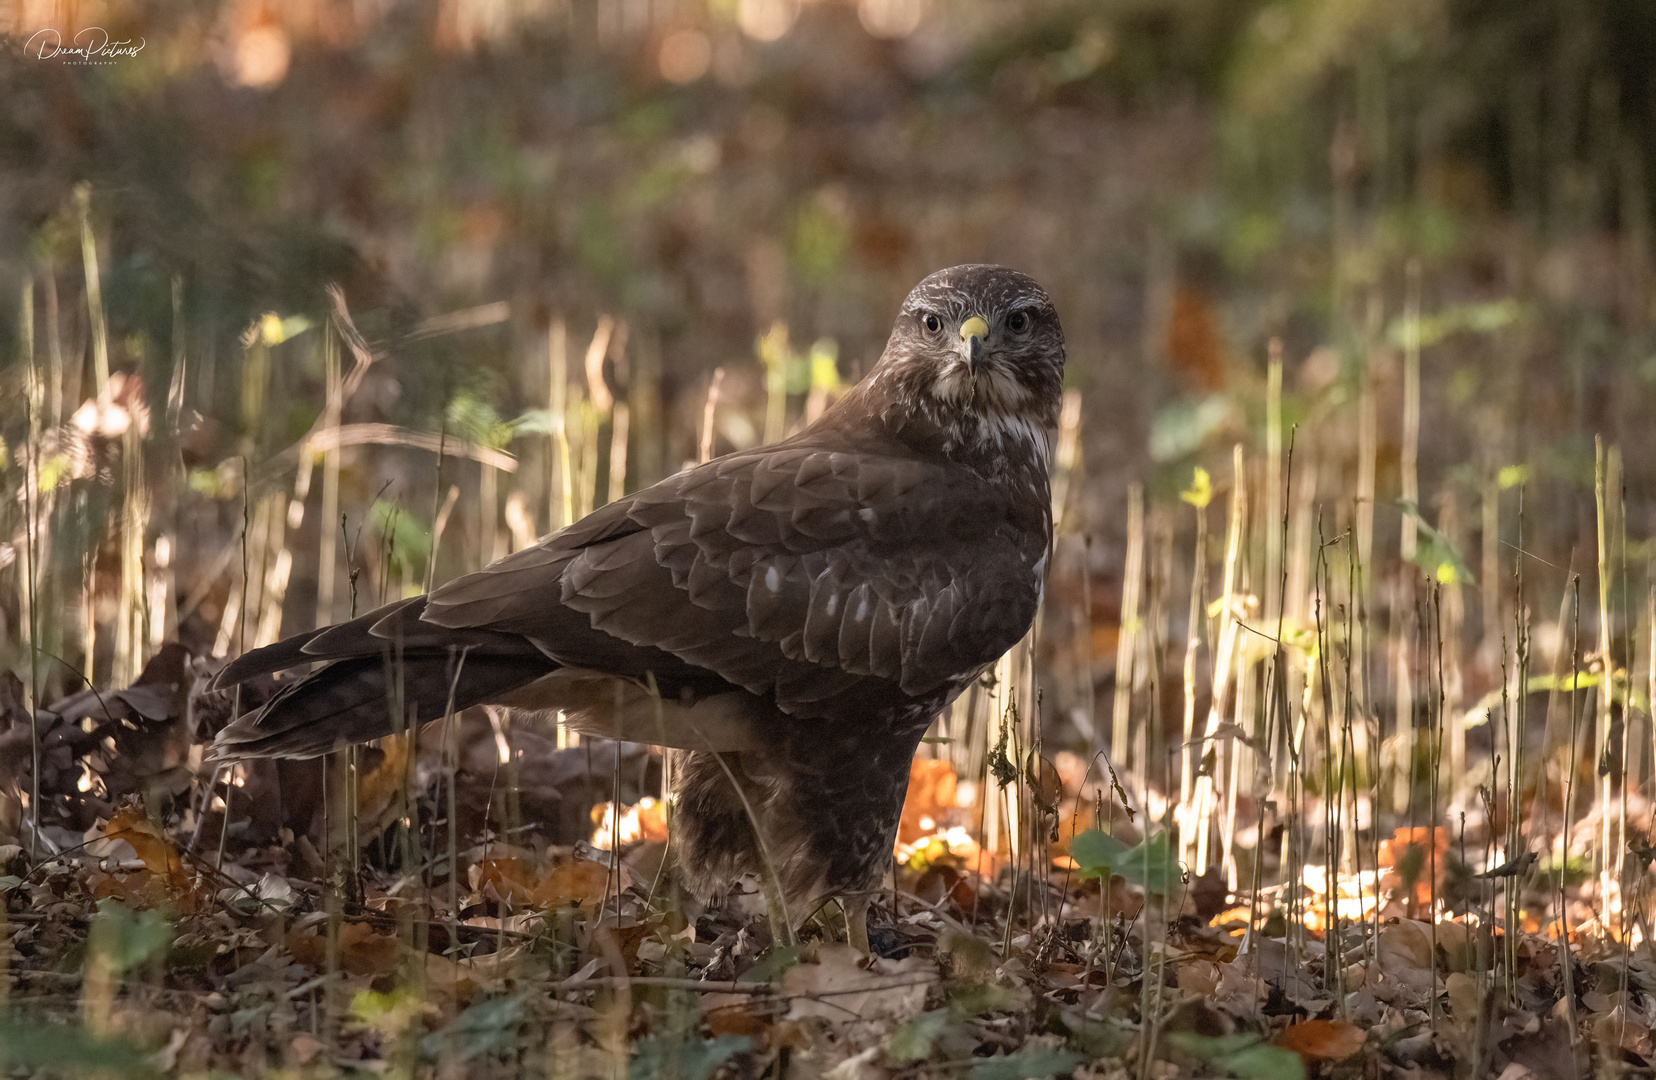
(838, 988)
(1322, 1040)
(361, 950)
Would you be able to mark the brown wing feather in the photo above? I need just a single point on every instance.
(796, 572)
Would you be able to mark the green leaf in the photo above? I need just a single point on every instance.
(1242, 1054)
(487, 1027)
(821, 240)
(389, 1013)
(1575, 680)
(1434, 552)
(129, 938)
(534, 422)
(977, 999)
(1097, 852)
(273, 329)
(1149, 864)
(913, 1039)
(776, 960)
(475, 420)
(661, 1058)
(33, 1046)
(410, 542)
(824, 360)
(1182, 427)
(1484, 318)
(1096, 1038)
(1031, 1061)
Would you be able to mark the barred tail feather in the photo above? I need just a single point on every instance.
(357, 699)
(389, 669)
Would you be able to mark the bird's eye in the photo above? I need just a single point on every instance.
(1018, 322)
(933, 323)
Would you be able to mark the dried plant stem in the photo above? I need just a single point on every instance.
(1274, 597)
(131, 637)
(94, 289)
(1067, 462)
(1224, 658)
(1332, 778)
(1454, 621)
(1409, 529)
(561, 495)
(28, 596)
(710, 411)
(1131, 584)
(1609, 902)
(588, 482)
(1571, 766)
(1193, 636)
(327, 543)
(1436, 765)
(1490, 570)
(773, 358)
(1514, 712)
(1410, 472)
(619, 419)
(489, 547)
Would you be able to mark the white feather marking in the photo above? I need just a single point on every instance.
(773, 579)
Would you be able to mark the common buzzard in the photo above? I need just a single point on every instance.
(792, 617)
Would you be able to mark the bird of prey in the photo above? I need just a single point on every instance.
(790, 617)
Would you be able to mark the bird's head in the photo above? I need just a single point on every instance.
(978, 353)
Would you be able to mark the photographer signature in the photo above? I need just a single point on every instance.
(91, 46)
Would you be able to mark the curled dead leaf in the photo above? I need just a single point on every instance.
(1322, 1040)
(153, 846)
(163, 879)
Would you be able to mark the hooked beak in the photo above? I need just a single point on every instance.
(973, 333)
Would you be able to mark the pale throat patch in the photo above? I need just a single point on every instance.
(992, 409)
(994, 389)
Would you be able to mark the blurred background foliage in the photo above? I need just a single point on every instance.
(1190, 179)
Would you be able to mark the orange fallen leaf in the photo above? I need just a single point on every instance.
(932, 792)
(1409, 860)
(154, 847)
(518, 882)
(509, 879)
(164, 879)
(380, 789)
(361, 950)
(578, 881)
(738, 1019)
(1322, 1040)
(942, 883)
(1618, 1028)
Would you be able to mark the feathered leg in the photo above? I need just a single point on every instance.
(827, 819)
